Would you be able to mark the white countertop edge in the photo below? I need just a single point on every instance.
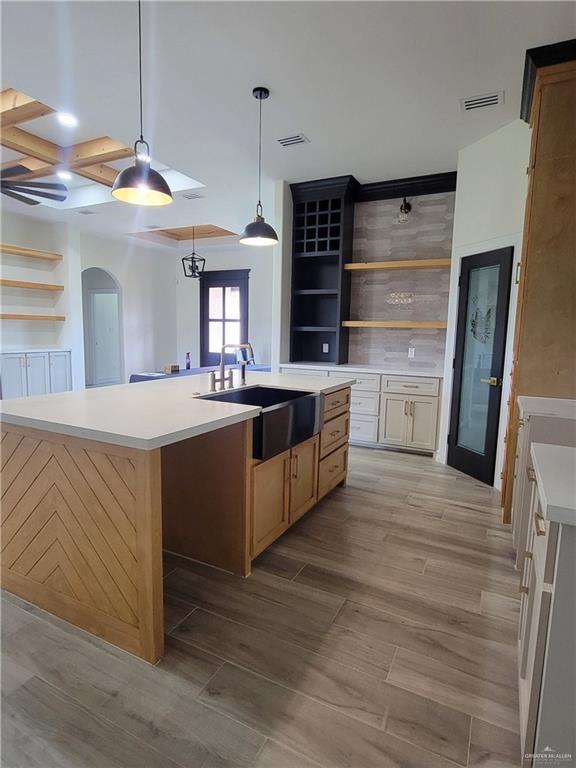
(554, 467)
(129, 441)
(346, 368)
(555, 407)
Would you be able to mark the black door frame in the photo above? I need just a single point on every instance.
(481, 467)
(225, 278)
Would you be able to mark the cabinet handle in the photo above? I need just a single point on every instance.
(410, 386)
(295, 475)
(334, 468)
(411, 407)
(521, 587)
(334, 432)
(406, 402)
(540, 525)
(530, 473)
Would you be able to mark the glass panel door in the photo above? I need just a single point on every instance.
(223, 313)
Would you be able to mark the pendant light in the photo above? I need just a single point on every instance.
(258, 232)
(193, 265)
(140, 184)
(405, 209)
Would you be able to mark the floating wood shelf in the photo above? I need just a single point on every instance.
(58, 318)
(407, 264)
(394, 324)
(31, 286)
(18, 250)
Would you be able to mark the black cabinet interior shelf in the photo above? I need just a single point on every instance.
(323, 218)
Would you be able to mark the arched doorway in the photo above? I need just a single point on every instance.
(102, 315)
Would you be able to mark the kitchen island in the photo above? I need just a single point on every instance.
(96, 482)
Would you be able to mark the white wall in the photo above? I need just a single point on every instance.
(148, 298)
(489, 214)
(260, 263)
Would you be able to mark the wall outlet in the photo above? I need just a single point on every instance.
(325, 349)
(411, 351)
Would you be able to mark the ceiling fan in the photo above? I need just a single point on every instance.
(26, 191)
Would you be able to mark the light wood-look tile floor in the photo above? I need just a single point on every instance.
(380, 632)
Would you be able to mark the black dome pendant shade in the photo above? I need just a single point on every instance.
(140, 184)
(258, 232)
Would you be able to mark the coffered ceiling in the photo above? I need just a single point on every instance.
(374, 86)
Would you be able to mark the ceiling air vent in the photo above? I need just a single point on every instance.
(191, 195)
(296, 138)
(86, 212)
(479, 102)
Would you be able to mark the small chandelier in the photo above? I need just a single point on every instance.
(193, 265)
(405, 209)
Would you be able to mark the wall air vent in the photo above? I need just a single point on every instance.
(479, 102)
(86, 212)
(296, 138)
(191, 195)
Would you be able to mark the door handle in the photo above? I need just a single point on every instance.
(492, 380)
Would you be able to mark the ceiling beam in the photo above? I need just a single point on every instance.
(91, 152)
(16, 107)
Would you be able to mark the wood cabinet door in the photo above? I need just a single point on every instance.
(422, 423)
(38, 367)
(393, 419)
(304, 477)
(270, 501)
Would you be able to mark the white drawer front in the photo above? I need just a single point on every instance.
(365, 402)
(364, 429)
(369, 382)
(411, 385)
(303, 372)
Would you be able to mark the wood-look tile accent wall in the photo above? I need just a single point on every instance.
(378, 236)
(81, 534)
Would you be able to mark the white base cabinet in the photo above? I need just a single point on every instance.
(25, 374)
(391, 410)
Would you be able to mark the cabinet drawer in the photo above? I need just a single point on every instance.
(303, 372)
(336, 402)
(411, 385)
(332, 470)
(365, 402)
(364, 428)
(368, 382)
(334, 433)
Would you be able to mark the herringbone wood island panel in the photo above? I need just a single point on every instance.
(82, 534)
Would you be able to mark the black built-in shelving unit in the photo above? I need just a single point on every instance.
(322, 237)
(323, 222)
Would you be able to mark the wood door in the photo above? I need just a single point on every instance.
(394, 419)
(479, 362)
(270, 501)
(38, 373)
(422, 421)
(304, 478)
(13, 375)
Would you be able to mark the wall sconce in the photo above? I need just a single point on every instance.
(193, 265)
(405, 209)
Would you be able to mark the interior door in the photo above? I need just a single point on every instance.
(479, 362)
(223, 313)
(105, 338)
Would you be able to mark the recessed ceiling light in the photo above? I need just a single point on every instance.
(64, 175)
(67, 120)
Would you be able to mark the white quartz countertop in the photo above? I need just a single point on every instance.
(148, 414)
(555, 469)
(558, 407)
(433, 373)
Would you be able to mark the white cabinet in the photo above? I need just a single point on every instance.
(13, 375)
(409, 422)
(60, 372)
(35, 373)
(38, 373)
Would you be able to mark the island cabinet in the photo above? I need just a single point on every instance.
(285, 487)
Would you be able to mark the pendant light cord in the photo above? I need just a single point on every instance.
(140, 65)
(259, 206)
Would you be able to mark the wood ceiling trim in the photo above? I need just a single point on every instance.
(201, 232)
(17, 107)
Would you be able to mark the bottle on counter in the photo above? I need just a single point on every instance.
(187, 361)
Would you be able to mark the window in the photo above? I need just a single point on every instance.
(223, 313)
